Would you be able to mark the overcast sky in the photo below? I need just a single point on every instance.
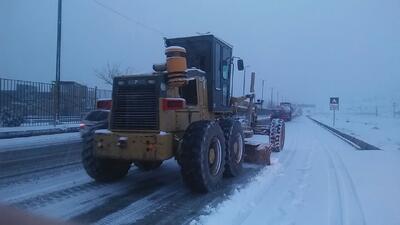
(308, 50)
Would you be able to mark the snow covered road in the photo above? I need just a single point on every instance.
(61, 189)
(316, 179)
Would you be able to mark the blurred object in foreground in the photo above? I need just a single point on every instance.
(12, 216)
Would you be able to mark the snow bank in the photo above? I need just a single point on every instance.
(29, 128)
(257, 140)
(18, 132)
(38, 141)
(381, 131)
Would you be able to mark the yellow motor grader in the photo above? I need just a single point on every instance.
(174, 112)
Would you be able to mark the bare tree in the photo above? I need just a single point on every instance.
(108, 73)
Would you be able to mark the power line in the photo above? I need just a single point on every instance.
(116, 12)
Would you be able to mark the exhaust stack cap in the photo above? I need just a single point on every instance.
(176, 66)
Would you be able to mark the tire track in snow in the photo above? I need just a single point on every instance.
(142, 207)
(337, 205)
(292, 200)
(45, 168)
(132, 203)
(49, 198)
(168, 202)
(297, 194)
(281, 167)
(29, 161)
(188, 205)
(348, 206)
(41, 183)
(37, 176)
(56, 196)
(356, 214)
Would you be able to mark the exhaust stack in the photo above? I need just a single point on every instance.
(176, 66)
(253, 78)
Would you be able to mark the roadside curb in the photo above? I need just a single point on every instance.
(356, 143)
(31, 133)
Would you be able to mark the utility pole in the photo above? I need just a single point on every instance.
(334, 117)
(244, 79)
(272, 97)
(58, 65)
(277, 97)
(262, 94)
(233, 72)
(394, 109)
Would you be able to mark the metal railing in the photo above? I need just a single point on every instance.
(27, 103)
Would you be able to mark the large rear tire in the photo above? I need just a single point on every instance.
(203, 156)
(147, 165)
(277, 135)
(102, 169)
(234, 143)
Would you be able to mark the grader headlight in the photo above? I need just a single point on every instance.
(173, 103)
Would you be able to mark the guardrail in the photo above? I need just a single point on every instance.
(356, 143)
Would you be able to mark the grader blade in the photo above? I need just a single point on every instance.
(258, 150)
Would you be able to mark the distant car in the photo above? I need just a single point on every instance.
(273, 113)
(285, 113)
(94, 120)
(280, 112)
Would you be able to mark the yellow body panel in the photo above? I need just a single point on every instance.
(155, 145)
(134, 146)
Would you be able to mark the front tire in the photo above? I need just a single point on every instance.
(203, 156)
(277, 135)
(102, 169)
(234, 147)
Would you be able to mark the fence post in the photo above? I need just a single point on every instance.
(1, 92)
(95, 96)
(54, 104)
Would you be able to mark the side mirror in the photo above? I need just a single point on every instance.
(240, 64)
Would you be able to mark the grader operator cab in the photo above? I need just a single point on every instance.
(173, 112)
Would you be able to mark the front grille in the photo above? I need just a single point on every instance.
(135, 108)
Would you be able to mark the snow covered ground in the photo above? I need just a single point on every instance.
(319, 179)
(381, 131)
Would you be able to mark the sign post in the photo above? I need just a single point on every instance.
(334, 105)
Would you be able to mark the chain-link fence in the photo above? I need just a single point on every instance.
(26, 103)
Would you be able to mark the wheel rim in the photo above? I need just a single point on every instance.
(214, 156)
(238, 148)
